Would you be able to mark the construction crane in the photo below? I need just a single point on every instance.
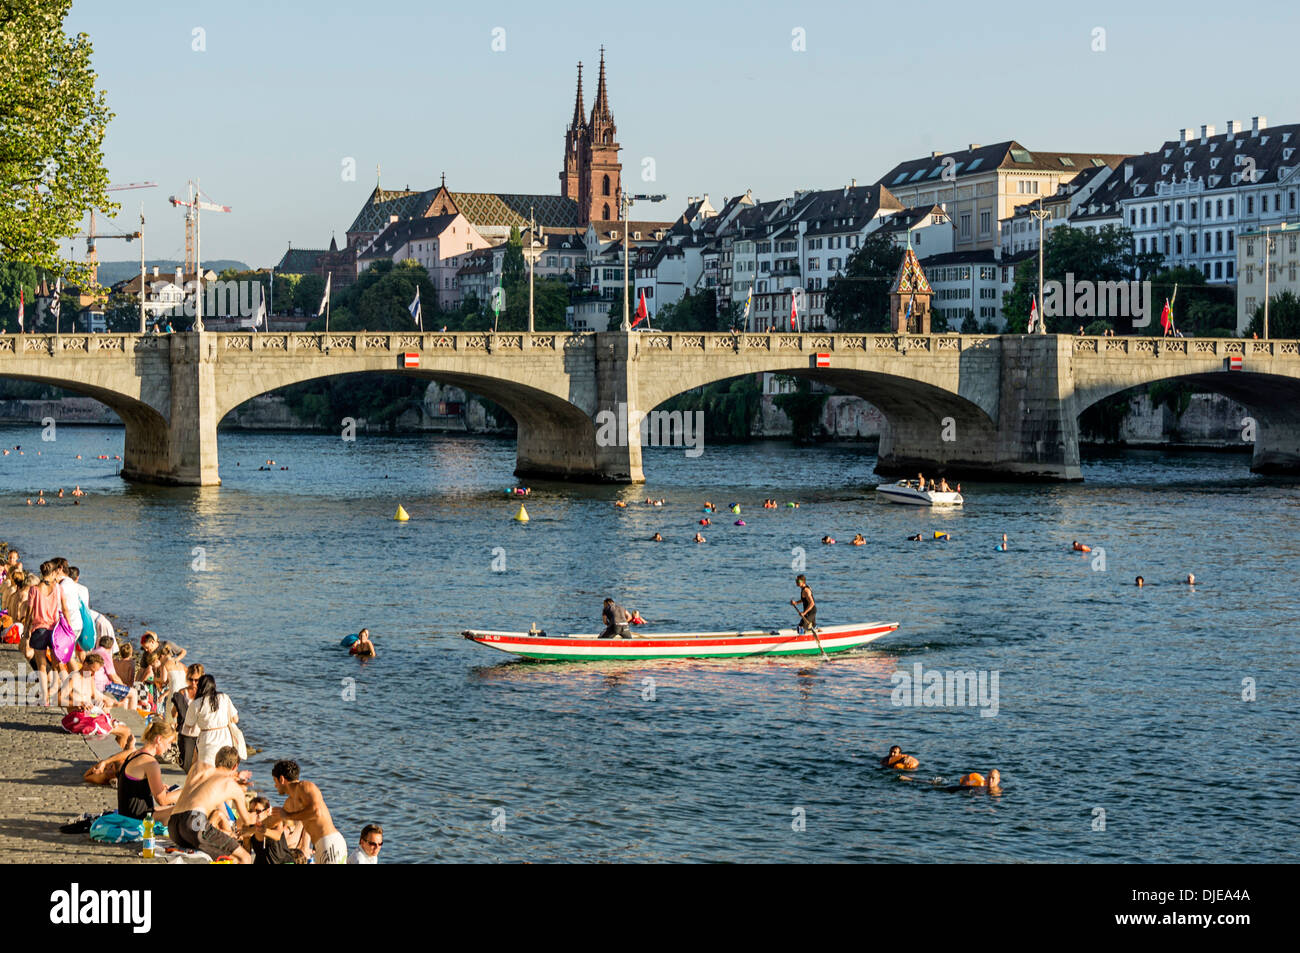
(195, 204)
(91, 254)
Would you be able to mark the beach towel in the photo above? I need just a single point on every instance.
(120, 829)
(87, 638)
(84, 723)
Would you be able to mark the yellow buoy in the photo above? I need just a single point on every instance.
(522, 515)
(401, 514)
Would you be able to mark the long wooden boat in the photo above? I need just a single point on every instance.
(684, 645)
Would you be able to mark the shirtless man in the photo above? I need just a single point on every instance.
(203, 794)
(975, 780)
(303, 802)
(808, 614)
(896, 759)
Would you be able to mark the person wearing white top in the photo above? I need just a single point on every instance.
(209, 719)
(372, 839)
(71, 598)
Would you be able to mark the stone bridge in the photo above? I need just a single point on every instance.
(972, 405)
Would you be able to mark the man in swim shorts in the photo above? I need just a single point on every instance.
(188, 824)
(303, 802)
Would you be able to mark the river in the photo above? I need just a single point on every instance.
(1131, 725)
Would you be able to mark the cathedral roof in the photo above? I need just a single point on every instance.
(511, 208)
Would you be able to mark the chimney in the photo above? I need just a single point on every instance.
(1184, 135)
(935, 155)
(155, 271)
(973, 146)
(180, 276)
(853, 183)
(1258, 124)
(1232, 127)
(1206, 133)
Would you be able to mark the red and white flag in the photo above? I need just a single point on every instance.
(1167, 318)
(794, 310)
(641, 311)
(1033, 312)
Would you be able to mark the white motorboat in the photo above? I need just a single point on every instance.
(904, 492)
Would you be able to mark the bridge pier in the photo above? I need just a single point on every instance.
(1036, 435)
(1277, 447)
(181, 450)
(602, 448)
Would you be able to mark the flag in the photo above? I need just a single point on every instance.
(417, 315)
(1033, 313)
(907, 315)
(22, 301)
(749, 302)
(1167, 318)
(325, 300)
(56, 306)
(794, 310)
(641, 312)
(259, 321)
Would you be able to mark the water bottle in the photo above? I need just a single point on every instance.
(148, 838)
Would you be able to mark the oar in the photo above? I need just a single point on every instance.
(813, 630)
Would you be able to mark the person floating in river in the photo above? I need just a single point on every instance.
(896, 759)
(362, 647)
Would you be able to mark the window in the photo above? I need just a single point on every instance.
(965, 226)
(1144, 215)
(1178, 211)
(1192, 208)
(1231, 233)
(1218, 241)
(1132, 216)
(985, 225)
(1232, 204)
(1207, 270)
(1218, 209)
(1218, 269)
(1250, 205)
(605, 213)
(1193, 238)
(1207, 210)
(1166, 211)
(1229, 271)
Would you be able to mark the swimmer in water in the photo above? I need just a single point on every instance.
(828, 540)
(699, 538)
(914, 539)
(1191, 579)
(705, 522)
(656, 538)
(363, 647)
(78, 491)
(858, 540)
(60, 492)
(1078, 547)
(976, 781)
(1139, 582)
(901, 762)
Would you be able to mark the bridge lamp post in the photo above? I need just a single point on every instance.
(1040, 214)
(1268, 247)
(625, 205)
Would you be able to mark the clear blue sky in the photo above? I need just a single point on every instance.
(714, 92)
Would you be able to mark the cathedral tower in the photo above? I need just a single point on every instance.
(592, 173)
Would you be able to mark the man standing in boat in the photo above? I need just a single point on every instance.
(616, 620)
(808, 614)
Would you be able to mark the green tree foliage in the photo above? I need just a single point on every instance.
(1200, 309)
(14, 276)
(513, 266)
(691, 312)
(969, 325)
(377, 300)
(729, 406)
(52, 124)
(1283, 317)
(1105, 255)
(859, 299)
(804, 408)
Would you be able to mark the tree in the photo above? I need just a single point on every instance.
(1283, 317)
(1200, 309)
(15, 276)
(378, 300)
(858, 300)
(1105, 255)
(691, 312)
(53, 122)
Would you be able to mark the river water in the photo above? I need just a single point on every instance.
(1121, 729)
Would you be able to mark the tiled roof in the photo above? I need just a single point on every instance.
(1002, 155)
(982, 256)
(910, 277)
(382, 204)
(508, 208)
(299, 261)
(1219, 160)
(399, 233)
(908, 217)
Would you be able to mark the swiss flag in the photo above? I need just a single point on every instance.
(641, 312)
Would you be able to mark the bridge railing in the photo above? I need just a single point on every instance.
(812, 343)
(1133, 345)
(75, 345)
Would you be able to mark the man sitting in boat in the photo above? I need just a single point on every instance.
(808, 614)
(896, 759)
(616, 620)
(943, 486)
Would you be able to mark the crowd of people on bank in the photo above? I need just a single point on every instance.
(92, 671)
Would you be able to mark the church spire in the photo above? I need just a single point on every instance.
(577, 103)
(600, 108)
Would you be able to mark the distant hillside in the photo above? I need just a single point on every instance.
(111, 272)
